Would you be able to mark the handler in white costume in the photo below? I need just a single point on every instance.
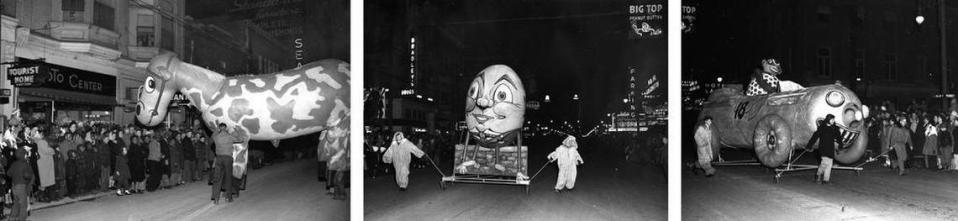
(399, 155)
(568, 157)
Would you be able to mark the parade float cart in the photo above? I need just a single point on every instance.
(778, 125)
(512, 160)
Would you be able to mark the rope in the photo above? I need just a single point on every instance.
(873, 159)
(540, 170)
(434, 165)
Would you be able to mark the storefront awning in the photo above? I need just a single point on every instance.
(67, 96)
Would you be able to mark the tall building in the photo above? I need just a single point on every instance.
(83, 59)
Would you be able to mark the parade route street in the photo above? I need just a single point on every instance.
(607, 188)
(749, 193)
(284, 191)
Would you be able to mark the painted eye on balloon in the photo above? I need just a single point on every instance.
(474, 90)
(503, 94)
(149, 85)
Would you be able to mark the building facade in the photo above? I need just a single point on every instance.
(92, 55)
(877, 48)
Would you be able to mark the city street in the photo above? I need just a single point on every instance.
(283, 191)
(749, 193)
(607, 188)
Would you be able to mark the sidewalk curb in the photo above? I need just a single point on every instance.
(67, 200)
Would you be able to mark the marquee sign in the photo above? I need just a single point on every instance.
(27, 75)
(64, 78)
(646, 19)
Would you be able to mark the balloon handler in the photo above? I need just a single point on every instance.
(568, 158)
(399, 155)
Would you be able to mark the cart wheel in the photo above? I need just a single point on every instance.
(858, 172)
(778, 178)
(442, 185)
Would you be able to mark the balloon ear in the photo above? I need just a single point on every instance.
(160, 65)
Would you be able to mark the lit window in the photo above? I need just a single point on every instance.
(145, 30)
(72, 10)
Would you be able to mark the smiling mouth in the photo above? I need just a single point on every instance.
(481, 118)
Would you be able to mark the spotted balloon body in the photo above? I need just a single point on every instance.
(495, 106)
(274, 106)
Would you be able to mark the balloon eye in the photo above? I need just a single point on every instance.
(474, 90)
(150, 85)
(503, 94)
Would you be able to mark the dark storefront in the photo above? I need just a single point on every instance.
(49, 92)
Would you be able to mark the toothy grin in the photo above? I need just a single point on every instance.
(848, 135)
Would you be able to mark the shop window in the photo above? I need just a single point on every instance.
(145, 30)
(72, 10)
(103, 14)
(132, 93)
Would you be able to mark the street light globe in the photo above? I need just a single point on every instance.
(719, 79)
(625, 100)
(919, 19)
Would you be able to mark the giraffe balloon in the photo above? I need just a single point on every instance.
(275, 106)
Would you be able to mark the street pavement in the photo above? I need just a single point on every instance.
(284, 191)
(607, 188)
(878, 193)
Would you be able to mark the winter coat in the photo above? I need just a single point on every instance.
(188, 149)
(703, 141)
(21, 173)
(930, 146)
(321, 155)
(827, 138)
(200, 150)
(103, 155)
(899, 138)
(45, 163)
(122, 167)
(154, 151)
(176, 155)
(69, 143)
(137, 158)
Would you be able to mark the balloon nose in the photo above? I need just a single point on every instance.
(483, 102)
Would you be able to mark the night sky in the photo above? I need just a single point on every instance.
(559, 48)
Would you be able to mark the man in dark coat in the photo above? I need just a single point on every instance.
(189, 157)
(72, 174)
(22, 177)
(827, 136)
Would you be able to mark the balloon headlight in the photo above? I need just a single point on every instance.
(835, 98)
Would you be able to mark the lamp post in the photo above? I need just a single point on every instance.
(578, 113)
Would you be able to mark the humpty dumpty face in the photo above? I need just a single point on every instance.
(495, 105)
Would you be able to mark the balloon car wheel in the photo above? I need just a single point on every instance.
(771, 140)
